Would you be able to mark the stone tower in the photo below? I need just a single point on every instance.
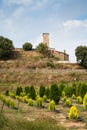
(46, 38)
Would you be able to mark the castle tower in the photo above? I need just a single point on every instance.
(46, 38)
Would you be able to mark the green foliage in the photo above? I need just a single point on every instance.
(27, 89)
(79, 99)
(47, 92)
(54, 93)
(85, 102)
(61, 88)
(10, 103)
(68, 102)
(25, 99)
(73, 113)
(73, 96)
(63, 94)
(45, 98)
(32, 92)
(69, 90)
(82, 89)
(12, 95)
(27, 46)
(81, 55)
(30, 102)
(64, 98)
(43, 49)
(52, 105)
(50, 64)
(7, 92)
(42, 91)
(19, 90)
(6, 48)
(39, 102)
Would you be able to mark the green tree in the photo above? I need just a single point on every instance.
(19, 90)
(27, 46)
(81, 55)
(6, 48)
(32, 92)
(54, 93)
(42, 91)
(43, 49)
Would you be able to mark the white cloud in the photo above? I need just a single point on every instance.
(70, 24)
(18, 12)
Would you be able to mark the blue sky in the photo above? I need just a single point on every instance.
(25, 21)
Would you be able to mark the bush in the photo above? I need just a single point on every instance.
(12, 95)
(67, 102)
(45, 98)
(54, 93)
(73, 96)
(47, 92)
(32, 92)
(39, 102)
(25, 99)
(42, 91)
(85, 102)
(19, 90)
(27, 89)
(79, 99)
(7, 92)
(73, 113)
(69, 90)
(64, 98)
(30, 102)
(6, 48)
(63, 93)
(50, 64)
(27, 46)
(52, 105)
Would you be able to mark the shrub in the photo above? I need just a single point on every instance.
(69, 90)
(63, 93)
(30, 102)
(64, 98)
(19, 90)
(25, 99)
(54, 93)
(73, 96)
(73, 113)
(12, 95)
(42, 91)
(67, 102)
(52, 105)
(39, 102)
(85, 102)
(79, 99)
(50, 64)
(6, 48)
(7, 92)
(32, 92)
(47, 92)
(45, 98)
(27, 89)
(27, 46)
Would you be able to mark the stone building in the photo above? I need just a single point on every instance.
(63, 56)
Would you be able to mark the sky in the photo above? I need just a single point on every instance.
(65, 20)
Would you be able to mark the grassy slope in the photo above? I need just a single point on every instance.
(28, 68)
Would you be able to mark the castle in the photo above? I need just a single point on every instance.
(62, 55)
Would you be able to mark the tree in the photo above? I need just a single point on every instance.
(27, 46)
(32, 92)
(43, 49)
(6, 48)
(81, 55)
(54, 93)
(42, 91)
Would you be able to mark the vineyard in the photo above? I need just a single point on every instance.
(60, 106)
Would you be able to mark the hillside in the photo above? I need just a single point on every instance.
(28, 68)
